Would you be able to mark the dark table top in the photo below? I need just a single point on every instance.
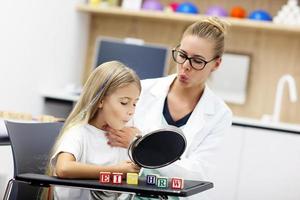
(142, 189)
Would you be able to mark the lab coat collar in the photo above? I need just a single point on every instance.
(162, 87)
(193, 129)
(196, 122)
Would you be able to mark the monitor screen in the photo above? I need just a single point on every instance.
(149, 61)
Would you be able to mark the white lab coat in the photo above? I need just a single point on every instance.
(203, 131)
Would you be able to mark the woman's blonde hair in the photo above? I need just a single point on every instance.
(211, 28)
(103, 81)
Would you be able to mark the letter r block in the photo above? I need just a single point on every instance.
(162, 182)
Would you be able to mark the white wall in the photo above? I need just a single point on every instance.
(42, 45)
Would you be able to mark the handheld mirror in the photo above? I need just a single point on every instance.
(158, 148)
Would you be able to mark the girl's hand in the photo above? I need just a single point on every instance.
(121, 138)
(127, 166)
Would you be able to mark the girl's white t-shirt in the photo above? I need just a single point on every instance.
(88, 144)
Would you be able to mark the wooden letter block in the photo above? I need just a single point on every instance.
(117, 178)
(162, 182)
(177, 183)
(151, 179)
(104, 177)
(132, 178)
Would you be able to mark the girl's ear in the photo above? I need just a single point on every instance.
(100, 105)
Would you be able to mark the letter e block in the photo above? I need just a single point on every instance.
(132, 178)
(104, 177)
(162, 182)
(117, 178)
(151, 179)
(177, 183)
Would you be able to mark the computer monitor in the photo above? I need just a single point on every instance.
(148, 60)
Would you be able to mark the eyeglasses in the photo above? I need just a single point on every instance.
(196, 63)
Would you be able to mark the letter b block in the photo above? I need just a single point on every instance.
(132, 178)
(162, 182)
(104, 177)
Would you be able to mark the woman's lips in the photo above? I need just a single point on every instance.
(183, 78)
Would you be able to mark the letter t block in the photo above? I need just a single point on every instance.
(117, 178)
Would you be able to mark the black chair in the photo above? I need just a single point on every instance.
(31, 144)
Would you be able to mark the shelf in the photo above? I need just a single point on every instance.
(157, 15)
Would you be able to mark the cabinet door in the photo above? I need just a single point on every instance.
(270, 167)
(228, 164)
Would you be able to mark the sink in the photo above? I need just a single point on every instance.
(290, 81)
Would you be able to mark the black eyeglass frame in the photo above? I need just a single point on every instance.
(190, 58)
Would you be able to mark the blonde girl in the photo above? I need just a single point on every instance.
(108, 100)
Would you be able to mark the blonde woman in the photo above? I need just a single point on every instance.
(108, 99)
(184, 100)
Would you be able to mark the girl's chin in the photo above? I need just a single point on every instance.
(118, 127)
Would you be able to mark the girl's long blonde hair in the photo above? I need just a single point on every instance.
(103, 81)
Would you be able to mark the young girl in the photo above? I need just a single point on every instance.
(108, 100)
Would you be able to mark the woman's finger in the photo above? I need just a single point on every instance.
(112, 136)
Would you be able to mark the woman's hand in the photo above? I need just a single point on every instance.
(127, 166)
(121, 138)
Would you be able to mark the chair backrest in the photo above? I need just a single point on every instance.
(31, 145)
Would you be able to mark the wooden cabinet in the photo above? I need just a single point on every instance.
(274, 49)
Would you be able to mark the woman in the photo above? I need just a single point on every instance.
(184, 100)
